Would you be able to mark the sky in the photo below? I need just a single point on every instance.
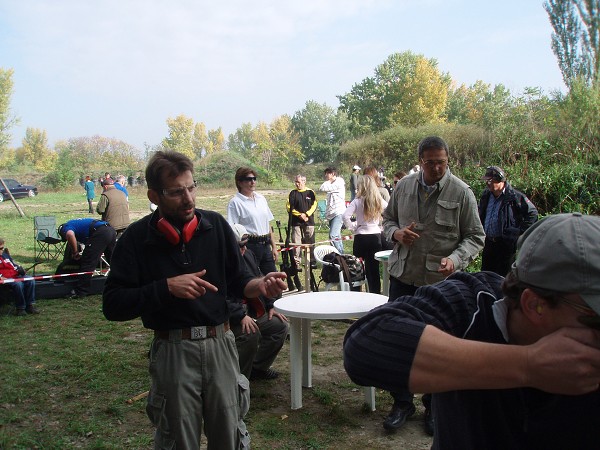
(121, 68)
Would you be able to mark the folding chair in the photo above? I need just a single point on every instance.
(323, 222)
(320, 252)
(47, 244)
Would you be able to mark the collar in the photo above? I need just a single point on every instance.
(500, 311)
(438, 185)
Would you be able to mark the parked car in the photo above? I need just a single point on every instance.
(16, 189)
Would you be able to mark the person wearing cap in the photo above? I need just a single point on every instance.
(505, 214)
(354, 181)
(113, 207)
(513, 363)
(259, 330)
(249, 208)
(175, 268)
(301, 206)
(433, 222)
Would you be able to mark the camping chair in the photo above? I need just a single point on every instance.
(323, 222)
(320, 252)
(47, 244)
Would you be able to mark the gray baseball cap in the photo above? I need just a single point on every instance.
(561, 253)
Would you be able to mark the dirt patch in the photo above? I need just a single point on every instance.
(334, 400)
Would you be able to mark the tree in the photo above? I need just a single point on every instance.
(34, 150)
(241, 141)
(7, 121)
(576, 38)
(285, 145)
(321, 131)
(407, 89)
(199, 140)
(216, 141)
(479, 104)
(181, 131)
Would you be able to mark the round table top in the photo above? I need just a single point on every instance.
(383, 255)
(329, 304)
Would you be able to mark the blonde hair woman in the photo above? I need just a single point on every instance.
(367, 208)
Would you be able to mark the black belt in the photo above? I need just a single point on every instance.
(193, 333)
(262, 239)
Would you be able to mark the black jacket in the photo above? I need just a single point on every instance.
(143, 260)
(516, 213)
(236, 305)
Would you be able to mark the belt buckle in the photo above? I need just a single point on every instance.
(198, 333)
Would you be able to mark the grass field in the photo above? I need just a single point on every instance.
(67, 373)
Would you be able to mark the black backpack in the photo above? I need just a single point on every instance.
(352, 268)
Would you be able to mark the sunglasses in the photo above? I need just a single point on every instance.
(248, 179)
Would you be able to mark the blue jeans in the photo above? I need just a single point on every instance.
(24, 293)
(335, 232)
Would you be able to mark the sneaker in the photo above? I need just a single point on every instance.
(31, 309)
(269, 374)
(20, 312)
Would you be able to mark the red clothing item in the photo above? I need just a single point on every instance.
(8, 269)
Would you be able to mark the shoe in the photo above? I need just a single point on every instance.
(428, 422)
(313, 264)
(269, 374)
(398, 415)
(20, 312)
(31, 309)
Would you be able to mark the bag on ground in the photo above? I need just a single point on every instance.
(352, 268)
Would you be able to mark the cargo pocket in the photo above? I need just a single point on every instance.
(155, 409)
(432, 264)
(244, 406)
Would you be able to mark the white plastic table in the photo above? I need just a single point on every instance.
(301, 309)
(383, 256)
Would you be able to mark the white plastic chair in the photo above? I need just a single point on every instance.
(322, 250)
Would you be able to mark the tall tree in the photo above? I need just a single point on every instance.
(199, 140)
(576, 38)
(242, 141)
(34, 150)
(321, 131)
(216, 141)
(7, 121)
(181, 132)
(407, 89)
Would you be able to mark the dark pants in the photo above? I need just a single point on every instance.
(90, 205)
(398, 289)
(101, 240)
(24, 293)
(365, 246)
(263, 253)
(498, 255)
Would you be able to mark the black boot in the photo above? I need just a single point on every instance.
(398, 415)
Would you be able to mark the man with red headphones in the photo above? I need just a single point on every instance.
(175, 269)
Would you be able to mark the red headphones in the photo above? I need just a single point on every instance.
(173, 235)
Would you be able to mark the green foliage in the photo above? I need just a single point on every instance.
(321, 130)
(407, 89)
(396, 148)
(576, 38)
(7, 121)
(218, 169)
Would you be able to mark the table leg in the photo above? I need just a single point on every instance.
(296, 362)
(306, 354)
(386, 279)
(370, 397)
(306, 268)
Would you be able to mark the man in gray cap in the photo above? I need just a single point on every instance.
(512, 363)
(505, 214)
